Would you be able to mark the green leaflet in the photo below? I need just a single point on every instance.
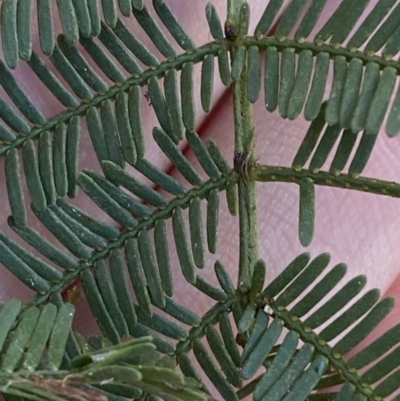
(59, 160)
(162, 325)
(213, 372)
(280, 362)
(159, 177)
(224, 279)
(247, 318)
(115, 46)
(22, 336)
(308, 379)
(156, 35)
(325, 146)
(67, 70)
(350, 92)
(24, 19)
(207, 82)
(287, 80)
(119, 176)
(46, 167)
(210, 290)
(79, 63)
(68, 20)
(109, 297)
(343, 152)
(9, 32)
(163, 259)
(338, 301)
(268, 17)
(43, 246)
(291, 271)
(176, 157)
(151, 269)
(63, 233)
(301, 84)
(271, 78)
(323, 287)
(294, 370)
(105, 201)
(8, 313)
(83, 17)
(136, 47)
(119, 278)
(260, 325)
(223, 166)
(203, 155)
(59, 336)
(261, 349)
(369, 85)
(238, 63)
(212, 220)
(31, 170)
(14, 188)
(187, 97)
(20, 269)
(98, 227)
(157, 100)
(339, 75)
(39, 337)
(289, 18)
(196, 232)
(46, 28)
(378, 347)
(307, 211)
(99, 70)
(52, 83)
(181, 313)
(361, 330)
(173, 26)
(182, 247)
(137, 275)
(40, 267)
(101, 58)
(229, 339)
(257, 281)
(315, 96)
(109, 129)
(254, 74)
(173, 105)
(222, 356)
(310, 273)
(224, 68)
(380, 101)
(97, 306)
(214, 22)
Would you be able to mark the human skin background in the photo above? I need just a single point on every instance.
(359, 229)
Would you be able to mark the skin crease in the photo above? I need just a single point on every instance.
(356, 228)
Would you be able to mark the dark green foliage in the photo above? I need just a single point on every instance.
(100, 71)
(182, 247)
(162, 254)
(187, 97)
(307, 211)
(207, 82)
(271, 78)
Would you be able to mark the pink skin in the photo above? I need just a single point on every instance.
(359, 229)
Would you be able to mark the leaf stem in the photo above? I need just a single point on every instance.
(243, 158)
(265, 173)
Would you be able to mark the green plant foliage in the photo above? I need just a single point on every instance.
(272, 342)
(53, 367)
